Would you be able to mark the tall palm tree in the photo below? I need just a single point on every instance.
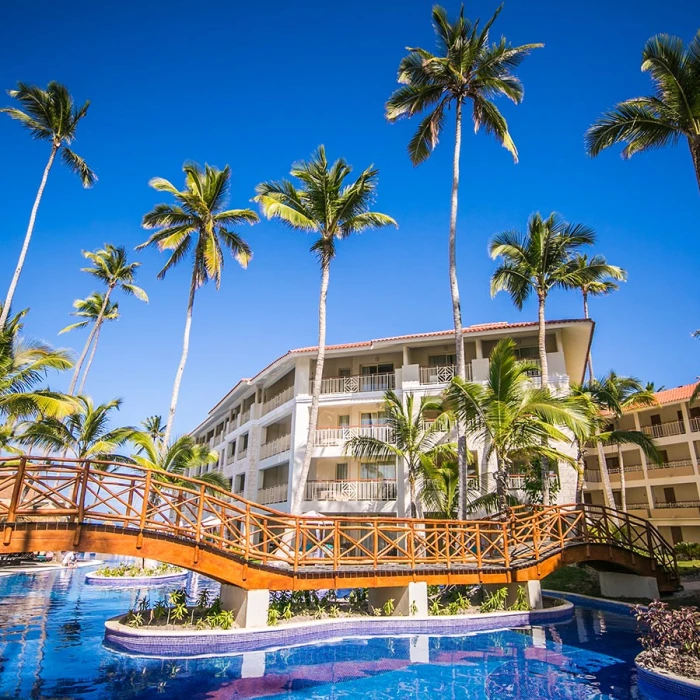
(153, 426)
(593, 400)
(616, 394)
(596, 279)
(537, 262)
(667, 116)
(86, 435)
(110, 266)
(90, 310)
(415, 439)
(513, 420)
(467, 69)
(200, 223)
(50, 115)
(325, 205)
(440, 493)
(23, 365)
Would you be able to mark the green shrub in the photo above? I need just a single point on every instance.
(687, 551)
(494, 601)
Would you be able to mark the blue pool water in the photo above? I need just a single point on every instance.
(51, 629)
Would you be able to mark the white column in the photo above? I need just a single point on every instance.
(409, 601)
(249, 607)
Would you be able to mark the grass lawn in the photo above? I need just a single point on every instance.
(688, 568)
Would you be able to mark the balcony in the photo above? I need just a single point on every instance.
(516, 482)
(272, 494)
(695, 424)
(245, 417)
(441, 375)
(242, 453)
(278, 400)
(678, 504)
(661, 430)
(680, 467)
(357, 383)
(360, 490)
(275, 447)
(337, 437)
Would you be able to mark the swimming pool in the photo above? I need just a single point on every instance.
(52, 625)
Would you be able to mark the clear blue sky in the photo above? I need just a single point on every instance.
(259, 85)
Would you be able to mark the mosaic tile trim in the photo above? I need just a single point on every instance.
(588, 601)
(121, 638)
(122, 581)
(662, 687)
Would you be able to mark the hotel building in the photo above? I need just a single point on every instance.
(260, 427)
(667, 494)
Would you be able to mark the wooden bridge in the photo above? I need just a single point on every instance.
(59, 504)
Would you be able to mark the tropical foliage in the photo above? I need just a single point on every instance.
(49, 115)
(200, 224)
(512, 419)
(331, 209)
(670, 114)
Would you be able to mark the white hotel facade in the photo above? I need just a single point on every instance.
(260, 427)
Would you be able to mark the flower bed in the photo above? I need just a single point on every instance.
(136, 575)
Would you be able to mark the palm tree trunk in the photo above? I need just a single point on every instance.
(88, 343)
(27, 238)
(580, 470)
(544, 381)
(623, 482)
(183, 360)
(412, 491)
(298, 494)
(589, 361)
(501, 477)
(605, 476)
(456, 308)
(91, 358)
(695, 152)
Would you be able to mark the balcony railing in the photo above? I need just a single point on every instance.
(357, 383)
(245, 417)
(678, 504)
(242, 453)
(275, 447)
(277, 400)
(660, 430)
(272, 494)
(671, 465)
(360, 490)
(337, 437)
(441, 375)
(695, 424)
(516, 482)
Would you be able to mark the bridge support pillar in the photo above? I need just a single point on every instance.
(249, 607)
(409, 601)
(532, 589)
(616, 585)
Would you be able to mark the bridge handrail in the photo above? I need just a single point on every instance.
(88, 492)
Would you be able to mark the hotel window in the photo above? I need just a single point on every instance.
(344, 372)
(385, 368)
(371, 470)
(239, 483)
(341, 471)
(442, 360)
(370, 419)
(343, 421)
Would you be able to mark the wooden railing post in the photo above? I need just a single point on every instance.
(246, 552)
(506, 544)
(144, 508)
(84, 476)
(198, 529)
(14, 500)
(130, 502)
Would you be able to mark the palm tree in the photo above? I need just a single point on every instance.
(153, 426)
(466, 69)
(50, 115)
(614, 395)
(198, 222)
(110, 266)
(326, 206)
(440, 494)
(23, 365)
(177, 459)
(667, 116)
(86, 435)
(593, 400)
(513, 420)
(538, 262)
(415, 439)
(90, 310)
(596, 279)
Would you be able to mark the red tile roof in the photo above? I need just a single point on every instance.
(678, 393)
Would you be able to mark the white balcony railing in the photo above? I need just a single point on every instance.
(245, 417)
(337, 437)
(272, 494)
(243, 453)
(695, 424)
(516, 482)
(671, 465)
(357, 383)
(441, 375)
(275, 447)
(678, 504)
(277, 400)
(361, 490)
(660, 430)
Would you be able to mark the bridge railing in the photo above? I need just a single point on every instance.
(145, 501)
